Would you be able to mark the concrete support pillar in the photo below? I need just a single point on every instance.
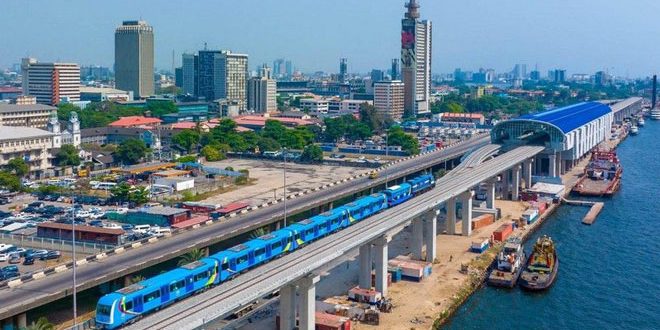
(21, 321)
(365, 266)
(7, 324)
(417, 244)
(431, 229)
(552, 166)
(505, 185)
(450, 205)
(527, 169)
(467, 212)
(380, 260)
(307, 292)
(560, 167)
(490, 193)
(288, 307)
(515, 187)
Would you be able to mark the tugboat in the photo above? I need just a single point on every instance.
(542, 266)
(510, 263)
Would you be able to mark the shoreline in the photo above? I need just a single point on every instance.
(480, 275)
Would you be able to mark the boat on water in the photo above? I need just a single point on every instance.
(510, 263)
(655, 114)
(542, 266)
(634, 130)
(641, 122)
(602, 176)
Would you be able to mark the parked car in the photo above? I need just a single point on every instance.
(14, 258)
(127, 227)
(37, 204)
(51, 255)
(39, 253)
(29, 260)
(4, 256)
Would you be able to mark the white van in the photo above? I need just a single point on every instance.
(4, 248)
(142, 229)
(162, 231)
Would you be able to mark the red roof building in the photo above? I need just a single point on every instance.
(135, 121)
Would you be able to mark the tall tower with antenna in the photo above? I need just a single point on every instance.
(416, 47)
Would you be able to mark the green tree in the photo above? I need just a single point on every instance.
(41, 324)
(452, 107)
(259, 232)
(275, 130)
(312, 153)
(268, 144)
(139, 195)
(131, 151)
(187, 159)
(9, 181)
(67, 156)
(212, 154)
(135, 279)
(18, 167)
(408, 143)
(370, 117)
(192, 256)
(121, 191)
(160, 108)
(187, 139)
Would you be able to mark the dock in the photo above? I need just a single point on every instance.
(591, 216)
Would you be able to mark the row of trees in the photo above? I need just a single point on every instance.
(487, 104)
(100, 114)
(127, 193)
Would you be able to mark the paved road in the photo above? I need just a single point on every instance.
(192, 313)
(39, 292)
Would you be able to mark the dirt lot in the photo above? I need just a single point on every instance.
(270, 179)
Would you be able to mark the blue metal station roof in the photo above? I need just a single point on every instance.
(571, 117)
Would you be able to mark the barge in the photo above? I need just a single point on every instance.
(602, 177)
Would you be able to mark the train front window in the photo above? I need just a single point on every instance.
(103, 310)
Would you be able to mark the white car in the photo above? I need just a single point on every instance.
(141, 229)
(111, 226)
(4, 256)
(97, 215)
(83, 214)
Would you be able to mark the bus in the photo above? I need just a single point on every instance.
(103, 185)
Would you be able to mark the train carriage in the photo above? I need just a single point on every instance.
(331, 221)
(422, 184)
(365, 207)
(304, 232)
(129, 303)
(398, 194)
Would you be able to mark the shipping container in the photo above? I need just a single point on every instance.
(395, 272)
(503, 232)
(364, 296)
(412, 269)
(482, 221)
(479, 246)
(324, 321)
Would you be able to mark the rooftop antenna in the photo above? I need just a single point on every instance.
(205, 46)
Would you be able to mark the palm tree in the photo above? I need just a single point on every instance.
(192, 256)
(259, 232)
(41, 324)
(135, 279)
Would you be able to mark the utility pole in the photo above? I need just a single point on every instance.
(73, 252)
(284, 154)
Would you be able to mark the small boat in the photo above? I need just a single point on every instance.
(655, 114)
(641, 122)
(542, 266)
(634, 130)
(510, 263)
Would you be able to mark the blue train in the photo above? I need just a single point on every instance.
(128, 304)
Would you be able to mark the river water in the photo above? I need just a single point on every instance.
(609, 273)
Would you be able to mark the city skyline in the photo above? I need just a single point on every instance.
(577, 37)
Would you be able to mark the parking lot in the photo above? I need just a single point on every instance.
(269, 177)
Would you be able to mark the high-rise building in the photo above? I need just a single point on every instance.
(51, 82)
(289, 68)
(223, 75)
(282, 69)
(416, 60)
(389, 98)
(394, 70)
(134, 58)
(189, 74)
(377, 75)
(178, 77)
(535, 75)
(519, 71)
(262, 92)
(557, 75)
(602, 78)
(343, 69)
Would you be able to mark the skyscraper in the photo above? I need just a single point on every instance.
(223, 75)
(394, 70)
(189, 74)
(134, 58)
(343, 69)
(262, 92)
(416, 60)
(51, 82)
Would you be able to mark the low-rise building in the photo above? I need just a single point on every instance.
(99, 94)
(84, 233)
(315, 105)
(33, 145)
(32, 115)
(469, 118)
(389, 99)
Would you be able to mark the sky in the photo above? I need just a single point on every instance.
(581, 36)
